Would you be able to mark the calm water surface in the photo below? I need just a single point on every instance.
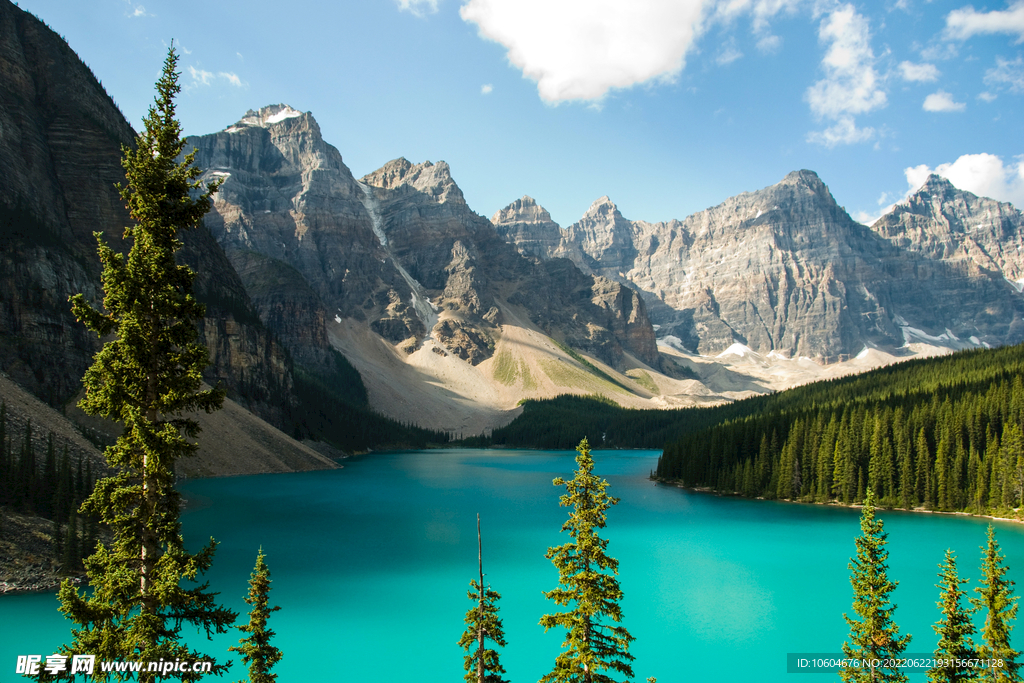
(371, 565)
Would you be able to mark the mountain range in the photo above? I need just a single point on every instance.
(452, 319)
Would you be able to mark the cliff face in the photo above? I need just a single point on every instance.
(398, 250)
(785, 269)
(942, 223)
(60, 148)
(528, 226)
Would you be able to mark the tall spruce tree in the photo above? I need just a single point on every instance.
(482, 623)
(255, 648)
(873, 634)
(955, 628)
(587, 578)
(146, 377)
(1000, 609)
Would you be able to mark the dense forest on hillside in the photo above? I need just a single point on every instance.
(944, 434)
(941, 433)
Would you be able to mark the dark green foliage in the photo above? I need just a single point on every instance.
(587, 582)
(555, 424)
(996, 603)
(873, 634)
(325, 413)
(942, 434)
(482, 624)
(255, 648)
(147, 376)
(954, 628)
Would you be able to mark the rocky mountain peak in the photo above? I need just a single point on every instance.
(937, 182)
(803, 177)
(603, 207)
(268, 116)
(433, 180)
(524, 210)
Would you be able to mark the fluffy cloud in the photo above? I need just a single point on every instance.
(851, 84)
(418, 7)
(136, 10)
(925, 73)
(1007, 74)
(486, 89)
(202, 77)
(843, 132)
(966, 22)
(581, 49)
(942, 101)
(983, 174)
(729, 53)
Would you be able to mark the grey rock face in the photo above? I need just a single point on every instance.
(528, 226)
(393, 249)
(786, 269)
(943, 223)
(60, 151)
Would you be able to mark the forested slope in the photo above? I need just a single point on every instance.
(944, 434)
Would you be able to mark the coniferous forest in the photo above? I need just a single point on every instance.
(938, 433)
(942, 434)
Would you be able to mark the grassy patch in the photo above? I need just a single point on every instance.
(505, 368)
(571, 377)
(642, 378)
(593, 369)
(528, 382)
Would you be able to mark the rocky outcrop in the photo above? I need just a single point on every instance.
(528, 227)
(398, 250)
(943, 223)
(60, 148)
(785, 269)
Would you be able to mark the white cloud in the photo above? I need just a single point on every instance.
(918, 72)
(966, 22)
(1007, 73)
(761, 10)
(987, 97)
(940, 51)
(233, 79)
(203, 77)
(983, 174)
(199, 76)
(942, 101)
(851, 84)
(843, 132)
(486, 89)
(729, 53)
(418, 7)
(769, 43)
(136, 10)
(581, 49)
(868, 218)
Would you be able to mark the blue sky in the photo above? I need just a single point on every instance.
(666, 106)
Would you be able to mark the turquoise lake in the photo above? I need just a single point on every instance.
(371, 565)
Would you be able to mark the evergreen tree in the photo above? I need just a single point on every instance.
(954, 628)
(587, 578)
(873, 634)
(1000, 608)
(482, 622)
(255, 648)
(146, 377)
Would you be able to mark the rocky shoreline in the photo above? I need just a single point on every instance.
(27, 563)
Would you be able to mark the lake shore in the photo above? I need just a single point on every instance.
(709, 490)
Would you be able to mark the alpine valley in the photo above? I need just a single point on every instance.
(451, 319)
